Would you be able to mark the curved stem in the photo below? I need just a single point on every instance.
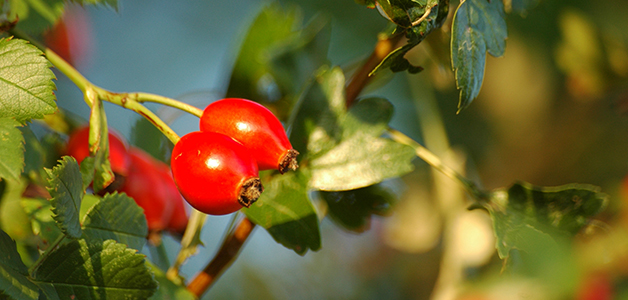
(189, 243)
(77, 78)
(227, 253)
(359, 80)
(146, 97)
(433, 160)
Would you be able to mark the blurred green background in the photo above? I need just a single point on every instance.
(552, 111)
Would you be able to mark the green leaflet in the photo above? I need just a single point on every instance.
(11, 149)
(478, 27)
(25, 81)
(353, 209)
(558, 212)
(344, 148)
(118, 217)
(13, 273)
(65, 185)
(286, 212)
(95, 270)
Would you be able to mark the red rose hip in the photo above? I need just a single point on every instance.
(214, 173)
(256, 128)
(145, 185)
(78, 147)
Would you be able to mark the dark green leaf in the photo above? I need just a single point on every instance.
(286, 212)
(278, 56)
(95, 270)
(406, 14)
(556, 211)
(26, 82)
(11, 149)
(34, 154)
(168, 290)
(116, 217)
(87, 171)
(353, 209)
(13, 273)
(147, 137)
(252, 77)
(66, 188)
(478, 27)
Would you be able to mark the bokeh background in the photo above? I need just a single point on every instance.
(553, 110)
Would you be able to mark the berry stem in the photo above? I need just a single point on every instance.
(227, 253)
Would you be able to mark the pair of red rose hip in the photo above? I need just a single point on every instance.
(216, 168)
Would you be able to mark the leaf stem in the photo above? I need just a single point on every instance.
(433, 160)
(227, 253)
(189, 243)
(46, 253)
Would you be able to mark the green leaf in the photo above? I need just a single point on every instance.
(278, 56)
(555, 211)
(252, 77)
(40, 215)
(285, 211)
(478, 27)
(353, 209)
(66, 188)
(147, 137)
(95, 270)
(360, 161)
(116, 217)
(344, 148)
(430, 15)
(168, 290)
(34, 154)
(26, 82)
(35, 16)
(87, 169)
(11, 149)
(13, 273)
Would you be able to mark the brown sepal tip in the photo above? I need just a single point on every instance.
(249, 192)
(289, 161)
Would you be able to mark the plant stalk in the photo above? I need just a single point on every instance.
(225, 256)
(361, 78)
(435, 162)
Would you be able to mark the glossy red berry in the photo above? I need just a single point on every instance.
(255, 127)
(179, 219)
(214, 173)
(78, 147)
(146, 186)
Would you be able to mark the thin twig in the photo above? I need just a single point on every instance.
(359, 80)
(227, 253)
